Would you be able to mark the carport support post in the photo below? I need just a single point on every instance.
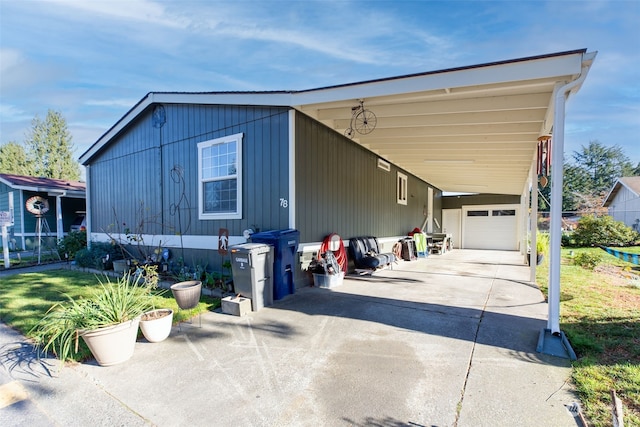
(557, 171)
(533, 225)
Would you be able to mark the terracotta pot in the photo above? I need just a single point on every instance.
(187, 294)
(113, 344)
(156, 324)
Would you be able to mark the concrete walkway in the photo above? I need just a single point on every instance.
(445, 341)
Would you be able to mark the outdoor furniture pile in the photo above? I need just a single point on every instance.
(441, 243)
(366, 256)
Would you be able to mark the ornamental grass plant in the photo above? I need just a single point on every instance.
(114, 302)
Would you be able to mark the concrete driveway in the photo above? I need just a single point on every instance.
(445, 341)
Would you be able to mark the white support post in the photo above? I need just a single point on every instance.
(5, 247)
(557, 171)
(533, 227)
(59, 226)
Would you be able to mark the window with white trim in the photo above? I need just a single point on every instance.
(402, 189)
(220, 178)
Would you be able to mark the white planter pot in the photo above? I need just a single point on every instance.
(113, 344)
(156, 329)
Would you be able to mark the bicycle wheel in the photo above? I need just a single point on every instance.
(349, 133)
(365, 122)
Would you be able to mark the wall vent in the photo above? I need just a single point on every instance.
(384, 165)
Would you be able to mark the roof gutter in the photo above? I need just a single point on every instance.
(557, 171)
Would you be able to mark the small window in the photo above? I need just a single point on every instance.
(477, 213)
(402, 189)
(504, 212)
(220, 178)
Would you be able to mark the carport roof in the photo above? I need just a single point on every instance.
(469, 129)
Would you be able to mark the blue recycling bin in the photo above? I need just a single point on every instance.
(285, 244)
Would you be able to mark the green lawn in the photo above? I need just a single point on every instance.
(25, 298)
(600, 314)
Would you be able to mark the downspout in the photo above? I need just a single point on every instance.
(557, 170)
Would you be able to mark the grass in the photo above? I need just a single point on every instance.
(600, 314)
(25, 298)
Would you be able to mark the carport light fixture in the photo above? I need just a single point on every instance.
(450, 161)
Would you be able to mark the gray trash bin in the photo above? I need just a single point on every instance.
(252, 268)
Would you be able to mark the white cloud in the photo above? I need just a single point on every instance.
(114, 102)
(12, 113)
(140, 11)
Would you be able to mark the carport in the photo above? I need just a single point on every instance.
(472, 129)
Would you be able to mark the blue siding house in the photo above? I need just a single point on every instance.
(60, 202)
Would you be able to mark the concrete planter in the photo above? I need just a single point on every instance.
(113, 344)
(187, 294)
(156, 324)
(236, 306)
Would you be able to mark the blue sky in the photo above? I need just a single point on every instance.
(93, 60)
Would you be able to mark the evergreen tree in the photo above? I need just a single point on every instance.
(588, 178)
(601, 166)
(50, 150)
(13, 160)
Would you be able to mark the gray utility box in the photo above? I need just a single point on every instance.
(252, 268)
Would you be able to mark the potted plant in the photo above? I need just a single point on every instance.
(542, 247)
(107, 322)
(156, 323)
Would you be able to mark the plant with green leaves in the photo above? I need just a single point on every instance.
(113, 303)
(542, 243)
(603, 230)
(588, 260)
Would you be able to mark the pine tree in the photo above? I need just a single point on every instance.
(13, 159)
(50, 150)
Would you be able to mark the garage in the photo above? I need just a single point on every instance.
(490, 227)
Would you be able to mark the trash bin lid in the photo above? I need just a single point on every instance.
(275, 234)
(250, 247)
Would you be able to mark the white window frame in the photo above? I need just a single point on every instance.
(237, 138)
(401, 188)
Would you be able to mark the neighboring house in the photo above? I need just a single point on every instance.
(196, 168)
(54, 205)
(623, 201)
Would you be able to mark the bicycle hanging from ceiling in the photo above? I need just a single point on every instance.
(363, 121)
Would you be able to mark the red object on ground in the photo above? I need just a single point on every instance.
(334, 243)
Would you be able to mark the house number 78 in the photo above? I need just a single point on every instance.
(284, 203)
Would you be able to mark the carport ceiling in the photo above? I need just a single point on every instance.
(470, 129)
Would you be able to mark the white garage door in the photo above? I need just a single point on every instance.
(490, 227)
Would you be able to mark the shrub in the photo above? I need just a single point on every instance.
(96, 256)
(604, 230)
(72, 243)
(567, 240)
(588, 260)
